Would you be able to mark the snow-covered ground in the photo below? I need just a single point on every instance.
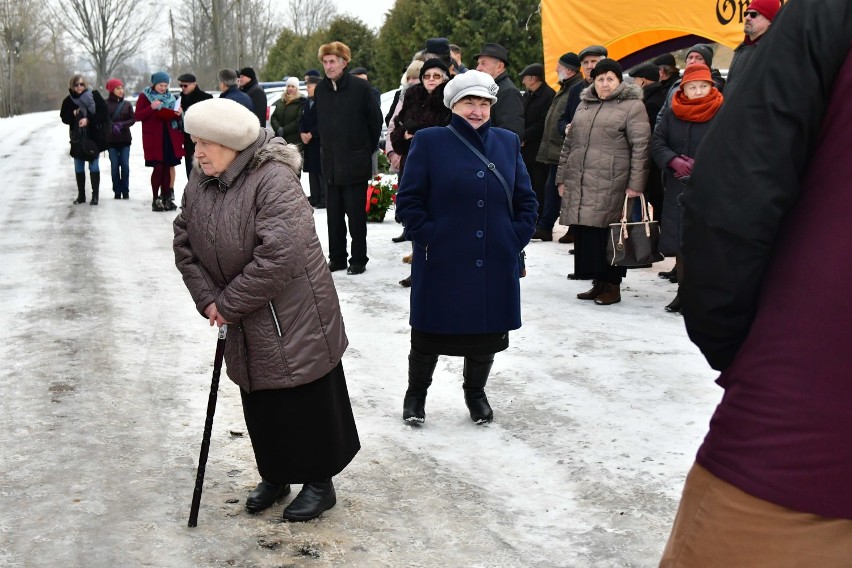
(106, 370)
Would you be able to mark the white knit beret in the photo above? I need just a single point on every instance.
(222, 121)
(470, 84)
(292, 81)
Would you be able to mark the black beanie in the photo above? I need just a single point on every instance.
(605, 65)
(570, 60)
(248, 72)
(704, 51)
(432, 64)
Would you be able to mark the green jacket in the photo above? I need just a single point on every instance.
(285, 119)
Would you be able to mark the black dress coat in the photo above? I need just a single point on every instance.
(309, 124)
(420, 109)
(536, 105)
(350, 122)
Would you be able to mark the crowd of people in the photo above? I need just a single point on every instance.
(483, 169)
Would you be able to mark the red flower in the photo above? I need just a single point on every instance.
(374, 200)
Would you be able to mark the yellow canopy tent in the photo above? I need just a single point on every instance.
(636, 30)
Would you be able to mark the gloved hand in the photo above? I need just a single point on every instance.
(681, 168)
(280, 132)
(116, 129)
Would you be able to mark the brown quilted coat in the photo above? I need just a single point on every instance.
(247, 241)
(605, 152)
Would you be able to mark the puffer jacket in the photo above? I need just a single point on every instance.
(605, 152)
(246, 241)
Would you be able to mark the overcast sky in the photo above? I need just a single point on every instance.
(371, 12)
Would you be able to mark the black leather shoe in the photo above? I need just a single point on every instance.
(399, 239)
(405, 282)
(311, 502)
(356, 269)
(265, 495)
(335, 266)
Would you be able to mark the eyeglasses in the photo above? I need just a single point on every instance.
(183, 86)
(433, 75)
(751, 14)
(79, 84)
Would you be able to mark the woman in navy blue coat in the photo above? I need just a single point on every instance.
(465, 295)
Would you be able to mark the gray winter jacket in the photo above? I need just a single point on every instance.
(246, 241)
(605, 152)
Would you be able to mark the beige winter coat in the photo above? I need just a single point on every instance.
(605, 152)
(247, 241)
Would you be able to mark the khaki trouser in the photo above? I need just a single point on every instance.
(717, 525)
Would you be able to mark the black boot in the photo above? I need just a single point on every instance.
(420, 368)
(476, 369)
(312, 500)
(96, 185)
(157, 204)
(81, 188)
(265, 495)
(169, 200)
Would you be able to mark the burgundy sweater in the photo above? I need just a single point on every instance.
(783, 430)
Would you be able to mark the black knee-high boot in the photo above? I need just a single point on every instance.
(420, 368)
(81, 187)
(476, 369)
(96, 185)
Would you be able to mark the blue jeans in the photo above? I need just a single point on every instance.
(552, 201)
(120, 160)
(80, 166)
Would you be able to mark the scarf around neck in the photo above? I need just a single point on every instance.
(697, 110)
(168, 100)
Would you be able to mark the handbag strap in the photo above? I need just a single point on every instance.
(645, 219)
(489, 164)
(117, 111)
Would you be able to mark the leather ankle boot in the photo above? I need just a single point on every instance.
(81, 188)
(476, 370)
(674, 305)
(96, 185)
(421, 366)
(611, 294)
(265, 495)
(311, 502)
(592, 293)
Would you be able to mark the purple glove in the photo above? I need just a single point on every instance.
(682, 168)
(116, 129)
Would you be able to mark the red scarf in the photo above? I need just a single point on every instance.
(696, 110)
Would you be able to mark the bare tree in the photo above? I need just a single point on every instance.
(214, 34)
(309, 16)
(19, 29)
(109, 31)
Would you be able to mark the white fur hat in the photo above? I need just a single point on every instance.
(222, 121)
(470, 84)
(292, 81)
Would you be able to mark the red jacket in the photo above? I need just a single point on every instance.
(153, 123)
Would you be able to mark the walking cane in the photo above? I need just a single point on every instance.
(208, 426)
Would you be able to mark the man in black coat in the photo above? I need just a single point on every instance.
(758, 17)
(647, 76)
(248, 85)
(309, 133)
(537, 99)
(508, 111)
(190, 94)
(350, 122)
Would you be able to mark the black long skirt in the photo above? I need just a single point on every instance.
(459, 344)
(590, 255)
(303, 434)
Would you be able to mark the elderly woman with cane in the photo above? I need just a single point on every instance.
(247, 248)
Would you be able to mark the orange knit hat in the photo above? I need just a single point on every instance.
(696, 72)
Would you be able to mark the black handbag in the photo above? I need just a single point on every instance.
(634, 244)
(522, 256)
(83, 147)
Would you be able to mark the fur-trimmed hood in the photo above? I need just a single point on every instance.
(624, 92)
